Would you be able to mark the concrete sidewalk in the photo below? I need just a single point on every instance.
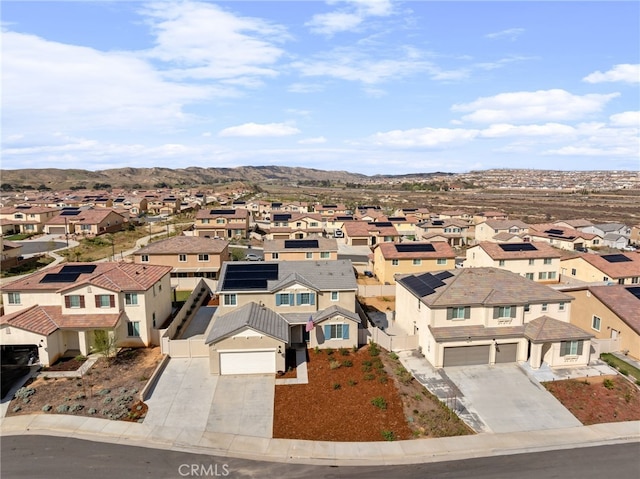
(316, 452)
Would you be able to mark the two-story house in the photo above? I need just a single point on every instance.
(362, 233)
(487, 316)
(500, 231)
(188, 256)
(86, 222)
(563, 237)
(60, 309)
(611, 314)
(25, 218)
(222, 223)
(294, 226)
(267, 307)
(621, 268)
(535, 261)
(391, 259)
(312, 249)
(452, 230)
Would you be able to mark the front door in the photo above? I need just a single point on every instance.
(614, 334)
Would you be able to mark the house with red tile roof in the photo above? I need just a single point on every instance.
(222, 223)
(410, 257)
(25, 218)
(294, 226)
(58, 310)
(85, 222)
(621, 268)
(563, 237)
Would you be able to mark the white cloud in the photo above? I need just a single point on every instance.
(313, 141)
(627, 118)
(256, 129)
(542, 105)
(423, 137)
(625, 72)
(305, 88)
(509, 34)
(348, 18)
(504, 130)
(204, 41)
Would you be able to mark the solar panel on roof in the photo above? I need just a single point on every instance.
(397, 218)
(553, 231)
(60, 278)
(442, 275)
(417, 286)
(615, 258)
(510, 247)
(78, 268)
(329, 206)
(67, 208)
(634, 290)
(344, 218)
(222, 212)
(23, 207)
(244, 284)
(414, 248)
(276, 205)
(282, 217)
(381, 224)
(301, 243)
(437, 222)
(430, 280)
(70, 213)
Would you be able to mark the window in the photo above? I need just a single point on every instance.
(205, 221)
(547, 261)
(314, 224)
(542, 275)
(527, 308)
(417, 262)
(203, 258)
(545, 307)
(561, 306)
(573, 272)
(305, 298)
(275, 255)
(131, 299)
(334, 296)
(571, 348)
(74, 301)
(284, 299)
(532, 262)
(230, 300)
(529, 276)
(105, 301)
(308, 255)
(552, 275)
(220, 221)
(144, 258)
(14, 298)
(441, 261)
(595, 323)
(395, 262)
(634, 280)
(621, 281)
(182, 258)
(133, 329)
(459, 312)
(504, 312)
(605, 278)
(501, 262)
(324, 255)
(336, 331)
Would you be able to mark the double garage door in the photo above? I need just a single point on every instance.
(472, 355)
(248, 362)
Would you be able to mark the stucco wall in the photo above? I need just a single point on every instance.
(317, 337)
(250, 342)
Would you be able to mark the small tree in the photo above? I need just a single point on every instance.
(104, 342)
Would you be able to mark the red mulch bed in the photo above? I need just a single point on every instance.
(593, 403)
(66, 364)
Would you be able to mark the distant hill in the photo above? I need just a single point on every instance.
(58, 179)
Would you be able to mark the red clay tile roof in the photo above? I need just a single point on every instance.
(543, 250)
(475, 332)
(624, 304)
(623, 269)
(88, 217)
(185, 245)
(546, 329)
(442, 250)
(48, 319)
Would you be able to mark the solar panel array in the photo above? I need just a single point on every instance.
(249, 276)
(70, 213)
(517, 247)
(414, 248)
(442, 275)
(344, 218)
(276, 205)
(554, 232)
(60, 278)
(78, 268)
(615, 258)
(425, 284)
(635, 290)
(282, 217)
(381, 224)
(437, 222)
(221, 212)
(23, 207)
(330, 206)
(397, 218)
(301, 243)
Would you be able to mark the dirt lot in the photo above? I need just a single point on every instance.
(357, 396)
(598, 400)
(107, 390)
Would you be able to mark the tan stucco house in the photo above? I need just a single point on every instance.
(391, 259)
(222, 223)
(620, 268)
(312, 249)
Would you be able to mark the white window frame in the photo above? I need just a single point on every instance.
(230, 299)
(544, 308)
(547, 261)
(530, 276)
(302, 296)
(335, 296)
(502, 262)
(72, 297)
(101, 300)
(131, 299)
(561, 306)
(325, 255)
(504, 311)
(532, 262)
(144, 258)
(308, 255)
(395, 262)
(333, 331)
(275, 255)
(416, 262)
(457, 312)
(203, 258)
(182, 258)
(441, 261)
(14, 298)
(596, 323)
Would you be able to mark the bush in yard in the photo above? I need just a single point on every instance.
(62, 408)
(379, 402)
(76, 407)
(366, 368)
(334, 364)
(47, 408)
(329, 351)
(24, 393)
(608, 383)
(336, 386)
(348, 363)
(352, 382)
(393, 356)
(344, 351)
(388, 435)
(383, 379)
(374, 350)
(369, 377)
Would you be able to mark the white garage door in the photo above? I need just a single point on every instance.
(247, 362)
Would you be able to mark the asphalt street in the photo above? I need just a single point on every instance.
(37, 457)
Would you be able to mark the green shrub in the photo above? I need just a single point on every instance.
(624, 371)
(47, 408)
(389, 435)
(76, 407)
(366, 368)
(317, 350)
(383, 379)
(379, 402)
(351, 382)
(608, 383)
(393, 356)
(62, 408)
(336, 386)
(369, 377)
(24, 393)
(80, 357)
(329, 351)
(348, 363)
(373, 349)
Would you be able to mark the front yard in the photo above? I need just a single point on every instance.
(363, 395)
(107, 390)
(599, 399)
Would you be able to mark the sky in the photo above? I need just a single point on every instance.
(366, 86)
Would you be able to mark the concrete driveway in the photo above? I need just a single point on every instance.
(507, 400)
(188, 396)
(243, 404)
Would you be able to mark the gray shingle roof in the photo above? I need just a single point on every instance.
(251, 315)
(318, 316)
(184, 245)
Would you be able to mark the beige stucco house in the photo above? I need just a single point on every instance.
(535, 261)
(391, 259)
(621, 268)
(495, 230)
(312, 249)
(294, 226)
(487, 316)
(611, 314)
(563, 237)
(60, 309)
(267, 307)
(222, 223)
(85, 222)
(26, 218)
